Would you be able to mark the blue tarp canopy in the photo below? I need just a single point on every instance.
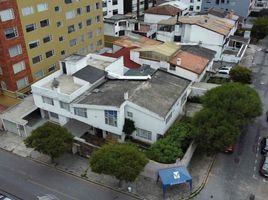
(174, 176)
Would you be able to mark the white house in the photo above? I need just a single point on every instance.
(112, 7)
(188, 61)
(206, 31)
(194, 5)
(95, 91)
(165, 11)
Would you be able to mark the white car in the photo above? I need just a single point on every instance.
(225, 70)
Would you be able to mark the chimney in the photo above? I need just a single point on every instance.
(178, 61)
(126, 96)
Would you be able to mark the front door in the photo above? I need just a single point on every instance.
(99, 133)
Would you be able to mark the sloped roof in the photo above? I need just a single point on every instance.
(163, 10)
(167, 49)
(135, 40)
(125, 52)
(216, 25)
(189, 61)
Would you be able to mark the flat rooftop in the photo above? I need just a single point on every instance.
(66, 84)
(90, 74)
(74, 58)
(157, 95)
(99, 63)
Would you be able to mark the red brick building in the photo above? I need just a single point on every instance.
(15, 73)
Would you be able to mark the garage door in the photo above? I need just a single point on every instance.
(10, 126)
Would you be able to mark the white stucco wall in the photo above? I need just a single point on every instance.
(154, 19)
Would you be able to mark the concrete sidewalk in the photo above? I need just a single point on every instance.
(144, 188)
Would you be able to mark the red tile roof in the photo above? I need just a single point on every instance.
(2, 108)
(164, 10)
(125, 52)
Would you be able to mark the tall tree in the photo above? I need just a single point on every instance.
(241, 74)
(260, 28)
(124, 162)
(50, 139)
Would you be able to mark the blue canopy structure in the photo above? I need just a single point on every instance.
(174, 176)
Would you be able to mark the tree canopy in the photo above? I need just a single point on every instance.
(226, 110)
(50, 139)
(123, 161)
(260, 28)
(241, 74)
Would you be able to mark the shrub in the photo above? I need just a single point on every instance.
(241, 74)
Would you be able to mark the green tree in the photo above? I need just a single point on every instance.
(227, 109)
(241, 74)
(124, 162)
(260, 28)
(129, 126)
(50, 139)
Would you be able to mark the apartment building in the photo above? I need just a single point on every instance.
(240, 7)
(35, 35)
(113, 7)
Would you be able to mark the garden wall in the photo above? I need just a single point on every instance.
(152, 168)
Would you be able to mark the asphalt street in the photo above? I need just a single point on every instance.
(236, 177)
(33, 181)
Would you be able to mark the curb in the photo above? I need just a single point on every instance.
(200, 188)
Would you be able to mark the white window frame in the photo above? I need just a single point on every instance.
(27, 11)
(64, 106)
(42, 7)
(14, 31)
(39, 74)
(48, 100)
(16, 48)
(18, 67)
(144, 134)
(33, 42)
(111, 117)
(82, 112)
(6, 15)
(26, 81)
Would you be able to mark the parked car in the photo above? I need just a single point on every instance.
(264, 145)
(230, 149)
(264, 166)
(4, 197)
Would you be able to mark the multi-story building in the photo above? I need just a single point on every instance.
(35, 35)
(240, 7)
(113, 7)
(137, 6)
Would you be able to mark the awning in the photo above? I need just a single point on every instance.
(174, 176)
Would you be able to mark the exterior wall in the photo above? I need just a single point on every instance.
(8, 78)
(196, 6)
(154, 19)
(109, 9)
(109, 29)
(208, 39)
(84, 43)
(240, 7)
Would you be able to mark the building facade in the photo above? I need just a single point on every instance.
(48, 31)
(113, 7)
(240, 7)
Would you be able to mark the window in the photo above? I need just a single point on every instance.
(89, 22)
(172, 67)
(47, 39)
(91, 47)
(36, 59)
(71, 29)
(61, 38)
(82, 38)
(49, 53)
(129, 114)
(79, 11)
(67, 1)
(27, 11)
(6, 15)
(48, 100)
(197, 7)
(168, 117)
(11, 33)
(90, 34)
(80, 25)
(217, 2)
(98, 18)
(44, 23)
(88, 8)
(1, 71)
(99, 42)
(144, 134)
(70, 14)
(52, 68)
(64, 106)
(15, 50)
(72, 42)
(30, 27)
(82, 112)
(115, 2)
(3, 85)
(57, 8)
(42, 7)
(111, 117)
(33, 44)
(39, 74)
(59, 24)
(22, 83)
(97, 5)
(62, 52)
(18, 67)
(222, 1)
(54, 115)
(115, 12)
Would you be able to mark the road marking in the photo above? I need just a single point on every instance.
(257, 155)
(256, 161)
(254, 177)
(265, 181)
(255, 168)
(258, 149)
(51, 189)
